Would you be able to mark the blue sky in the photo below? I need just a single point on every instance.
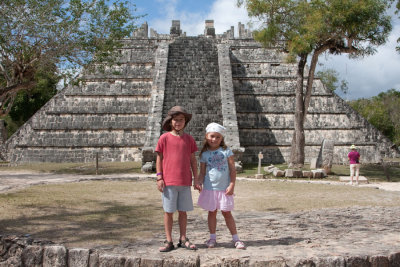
(366, 78)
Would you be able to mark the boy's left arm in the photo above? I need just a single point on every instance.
(193, 165)
(232, 173)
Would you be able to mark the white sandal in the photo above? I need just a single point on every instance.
(239, 244)
(211, 243)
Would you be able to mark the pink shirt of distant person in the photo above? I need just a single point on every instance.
(176, 151)
(354, 157)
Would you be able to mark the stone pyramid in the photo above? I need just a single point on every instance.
(117, 114)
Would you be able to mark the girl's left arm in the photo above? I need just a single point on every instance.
(232, 173)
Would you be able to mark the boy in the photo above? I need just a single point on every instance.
(176, 161)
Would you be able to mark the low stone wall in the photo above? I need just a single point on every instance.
(22, 251)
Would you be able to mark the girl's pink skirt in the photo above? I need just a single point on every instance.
(211, 200)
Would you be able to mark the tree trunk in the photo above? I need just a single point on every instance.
(298, 140)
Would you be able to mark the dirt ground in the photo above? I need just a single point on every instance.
(272, 234)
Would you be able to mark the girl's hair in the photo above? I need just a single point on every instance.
(205, 145)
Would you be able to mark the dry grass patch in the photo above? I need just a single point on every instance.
(290, 197)
(88, 214)
(78, 168)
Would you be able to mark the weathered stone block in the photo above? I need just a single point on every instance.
(313, 163)
(297, 173)
(394, 259)
(175, 262)
(78, 257)
(324, 173)
(330, 261)
(307, 174)
(132, 262)
(55, 256)
(269, 263)
(359, 261)
(317, 174)
(305, 263)
(278, 173)
(151, 262)
(379, 261)
(94, 259)
(106, 260)
(32, 256)
(238, 167)
(269, 169)
(289, 173)
(148, 167)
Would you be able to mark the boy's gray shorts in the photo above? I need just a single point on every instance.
(177, 198)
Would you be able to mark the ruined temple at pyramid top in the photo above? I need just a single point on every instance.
(218, 78)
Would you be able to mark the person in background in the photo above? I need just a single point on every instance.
(354, 158)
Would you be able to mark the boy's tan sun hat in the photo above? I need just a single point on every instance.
(353, 147)
(166, 125)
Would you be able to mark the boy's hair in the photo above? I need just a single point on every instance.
(205, 145)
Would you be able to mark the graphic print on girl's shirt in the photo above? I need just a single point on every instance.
(217, 160)
(217, 175)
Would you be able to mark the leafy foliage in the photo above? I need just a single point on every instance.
(397, 12)
(382, 111)
(330, 79)
(44, 41)
(27, 102)
(68, 34)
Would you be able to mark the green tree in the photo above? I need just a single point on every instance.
(397, 12)
(69, 34)
(329, 78)
(382, 111)
(27, 102)
(306, 29)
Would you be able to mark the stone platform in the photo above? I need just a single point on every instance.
(361, 179)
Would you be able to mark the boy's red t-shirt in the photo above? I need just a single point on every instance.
(176, 151)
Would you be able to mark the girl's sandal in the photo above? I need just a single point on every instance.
(168, 247)
(211, 243)
(186, 244)
(239, 244)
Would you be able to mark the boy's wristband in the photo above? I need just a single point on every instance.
(159, 173)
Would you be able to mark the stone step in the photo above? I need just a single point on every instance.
(83, 138)
(347, 179)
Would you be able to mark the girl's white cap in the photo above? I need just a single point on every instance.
(215, 128)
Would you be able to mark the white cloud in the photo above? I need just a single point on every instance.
(374, 74)
(225, 14)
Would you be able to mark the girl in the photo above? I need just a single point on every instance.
(217, 171)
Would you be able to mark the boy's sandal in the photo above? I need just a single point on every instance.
(211, 243)
(168, 247)
(186, 244)
(239, 245)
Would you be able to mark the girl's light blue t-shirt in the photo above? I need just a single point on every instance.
(217, 172)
